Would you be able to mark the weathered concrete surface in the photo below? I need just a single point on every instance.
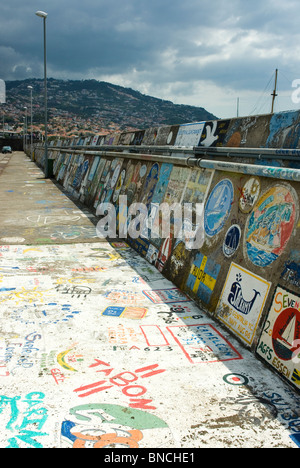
(42, 214)
(98, 349)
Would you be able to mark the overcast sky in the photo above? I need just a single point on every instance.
(198, 52)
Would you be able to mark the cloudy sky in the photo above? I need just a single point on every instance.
(198, 52)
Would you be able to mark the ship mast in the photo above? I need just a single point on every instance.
(274, 94)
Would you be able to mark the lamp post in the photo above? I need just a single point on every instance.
(25, 130)
(44, 15)
(31, 142)
(23, 133)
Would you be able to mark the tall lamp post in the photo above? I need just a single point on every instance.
(25, 130)
(44, 15)
(31, 142)
(23, 133)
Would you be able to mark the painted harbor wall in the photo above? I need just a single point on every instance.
(246, 270)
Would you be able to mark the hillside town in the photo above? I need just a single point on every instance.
(84, 108)
(16, 114)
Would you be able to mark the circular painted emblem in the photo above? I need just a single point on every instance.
(286, 333)
(218, 207)
(249, 195)
(232, 240)
(235, 379)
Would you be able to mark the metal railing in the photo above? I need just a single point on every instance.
(201, 157)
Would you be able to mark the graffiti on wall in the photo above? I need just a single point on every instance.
(111, 180)
(232, 240)
(103, 179)
(249, 195)
(282, 128)
(218, 207)
(92, 187)
(177, 184)
(291, 272)
(272, 216)
(271, 224)
(150, 184)
(189, 134)
(279, 343)
(203, 277)
(242, 302)
(214, 133)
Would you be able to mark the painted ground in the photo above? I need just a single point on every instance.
(99, 350)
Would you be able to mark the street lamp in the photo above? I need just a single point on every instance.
(25, 130)
(44, 15)
(23, 133)
(31, 143)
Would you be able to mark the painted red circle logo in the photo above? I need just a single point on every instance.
(286, 332)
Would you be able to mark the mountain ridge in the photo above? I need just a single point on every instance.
(96, 106)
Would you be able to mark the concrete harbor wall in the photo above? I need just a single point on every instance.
(244, 269)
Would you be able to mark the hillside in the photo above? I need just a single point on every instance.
(94, 106)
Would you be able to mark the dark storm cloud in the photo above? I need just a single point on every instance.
(155, 46)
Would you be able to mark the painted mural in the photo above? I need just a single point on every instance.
(189, 134)
(214, 133)
(218, 207)
(271, 224)
(279, 343)
(291, 270)
(242, 302)
(284, 130)
(249, 224)
(203, 277)
(249, 195)
(232, 240)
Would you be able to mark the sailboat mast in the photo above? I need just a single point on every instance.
(274, 94)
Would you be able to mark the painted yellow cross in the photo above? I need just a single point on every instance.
(202, 277)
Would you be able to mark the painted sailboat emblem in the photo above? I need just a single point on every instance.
(287, 336)
(236, 298)
(284, 340)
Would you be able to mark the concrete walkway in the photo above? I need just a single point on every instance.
(99, 350)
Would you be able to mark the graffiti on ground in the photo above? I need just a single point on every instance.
(22, 420)
(99, 425)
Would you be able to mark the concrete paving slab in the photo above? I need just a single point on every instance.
(99, 350)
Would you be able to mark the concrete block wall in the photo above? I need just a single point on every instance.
(246, 270)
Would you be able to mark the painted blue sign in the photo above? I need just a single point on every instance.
(161, 187)
(218, 207)
(114, 311)
(150, 185)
